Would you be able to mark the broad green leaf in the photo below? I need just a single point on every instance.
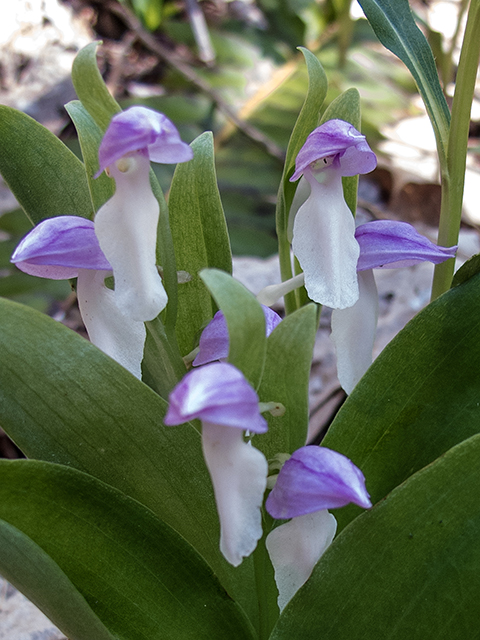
(26, 565)
(285, 379)
(90, 136)
(409, 568)
(63, 400)
(140, 578)
(245, 322)
(200, 237)
(418, 399)
(347, 107)
(394, 26)
(90, 87)
(45, 176)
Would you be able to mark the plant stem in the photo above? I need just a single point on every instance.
(453, 175)
(265, 582)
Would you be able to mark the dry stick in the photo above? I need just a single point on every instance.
(157, 47)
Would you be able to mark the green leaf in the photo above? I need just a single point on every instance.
(90, 87)
(469, 269)
(245, 322)
(162, 365)
(285, 379)
(394, 26)
(45, 176)
(409, 568)
(37, 576)
(90, 136)
(418, 399)
(200, 237)
(141, 579)
(347, 107)
(62, 400)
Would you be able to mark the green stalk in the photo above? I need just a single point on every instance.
(265, 582)
(284, 250)
(453, 175)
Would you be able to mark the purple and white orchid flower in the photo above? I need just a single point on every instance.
(214, 341)
(66, 247)
(126, 225)
(220, 396)
(323, 231)
(384, 244)
(122, 239)
(313, 480)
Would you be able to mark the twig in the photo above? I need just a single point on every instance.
(175, 61)
(206, 52)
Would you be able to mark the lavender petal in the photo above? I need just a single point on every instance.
(58, 247)
(216, 393)
(137, 129)
(340, 141)
(316, 478)
(214, 341)
(390, 244)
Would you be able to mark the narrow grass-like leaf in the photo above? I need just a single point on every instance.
(141, 579)
(394, 26)
(410, 568)
(45, 176)
(90, 87)
(285, 379)
(199, 235)
(90, 136)
(418, 399)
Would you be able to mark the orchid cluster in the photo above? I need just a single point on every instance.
(171, 455)
(337, 262)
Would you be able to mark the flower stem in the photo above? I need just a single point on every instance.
(265, 581)
(453, 175)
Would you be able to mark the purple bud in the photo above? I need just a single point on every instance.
(139, 129)
(335, 143)
(214, 341)
(390, 244)
(58, 247)
(316, 478)
(217, 393)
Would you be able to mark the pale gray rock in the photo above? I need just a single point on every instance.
(21, 620)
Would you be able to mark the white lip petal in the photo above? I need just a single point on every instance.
(126, 228)
(239, 477)
(325, 245)
(295, 548)
(353, 333)
(108, 328)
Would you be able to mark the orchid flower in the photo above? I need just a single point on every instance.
(214, 341)
(126, 225)
(66, 247)
(219, 395)
(313, 480)
(383, 244)
(324, 228)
